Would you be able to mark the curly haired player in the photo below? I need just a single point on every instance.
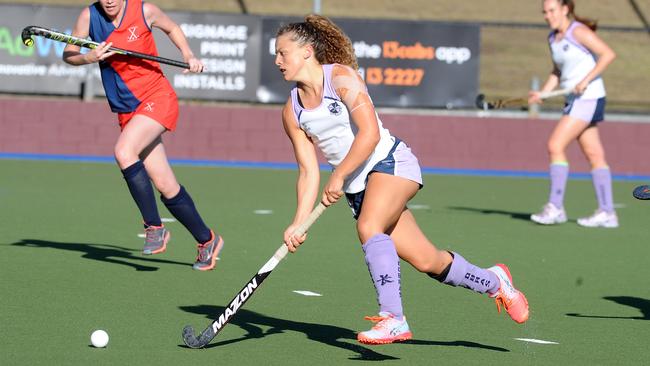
(330, 109)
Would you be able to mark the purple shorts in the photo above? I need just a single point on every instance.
(588, 110)
(399, 162)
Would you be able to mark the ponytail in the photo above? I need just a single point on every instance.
(592, 24)
(330, 43)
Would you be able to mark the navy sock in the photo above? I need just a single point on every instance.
(443, 275)
(139, 184)
(183, 209)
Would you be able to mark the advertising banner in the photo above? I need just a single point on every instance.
(404, 64)
(38, 69)
(228, 46)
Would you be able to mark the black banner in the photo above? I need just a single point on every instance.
(38, 69)
(404, 64)
(228, 45)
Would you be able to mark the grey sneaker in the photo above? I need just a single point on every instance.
(155, 239)
(206, 258)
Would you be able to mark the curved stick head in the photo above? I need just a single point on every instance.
(26, 36)
(190, 339)
(642, 192)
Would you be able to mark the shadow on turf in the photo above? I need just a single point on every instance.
(636, 302)
(99, 252)
(515, 215)
(525, 216)
(251, 321)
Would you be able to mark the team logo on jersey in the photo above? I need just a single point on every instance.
(133, 36)
(149, 106)
(334, 108)
(565, 47)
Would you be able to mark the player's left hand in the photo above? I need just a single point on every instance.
(581, 87)
(333, 190)
(196, 66)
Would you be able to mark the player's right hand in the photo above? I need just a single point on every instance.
(534, 97)
(99, 53)
(293, 242)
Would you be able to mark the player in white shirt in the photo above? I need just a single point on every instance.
(579, 58)
(330, 109)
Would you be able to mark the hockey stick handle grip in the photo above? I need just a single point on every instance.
(161, 60)
(304, 226)
(555, 93)
(315, 213)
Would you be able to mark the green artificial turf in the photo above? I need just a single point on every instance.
(70, 263)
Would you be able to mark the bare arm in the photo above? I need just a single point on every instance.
(551, 83)
(157, 18)
(352, 91)
(308, 174)
(604, 55)
(72, 54)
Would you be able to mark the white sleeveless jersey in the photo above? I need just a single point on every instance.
(330, 128)
(575, 61)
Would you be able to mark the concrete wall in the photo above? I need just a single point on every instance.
(255, 134)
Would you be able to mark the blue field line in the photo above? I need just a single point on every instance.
(291, 166)
(523, 174)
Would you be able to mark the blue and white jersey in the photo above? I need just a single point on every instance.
(575, 61)
(329, 126)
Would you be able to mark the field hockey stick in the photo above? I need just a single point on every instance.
(642, 192)
(247, 291)
(33, 30)
(481, 103)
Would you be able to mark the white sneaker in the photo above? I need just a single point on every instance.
(386, 330)
(600, 219)
(550, 215)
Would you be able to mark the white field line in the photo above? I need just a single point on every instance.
(306, 293)
(533, 340)
(263, 212)
(416, 206)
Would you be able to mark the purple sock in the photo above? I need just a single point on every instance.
(464, 274)
(602, 179)
(383, 265)
(559, 173)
